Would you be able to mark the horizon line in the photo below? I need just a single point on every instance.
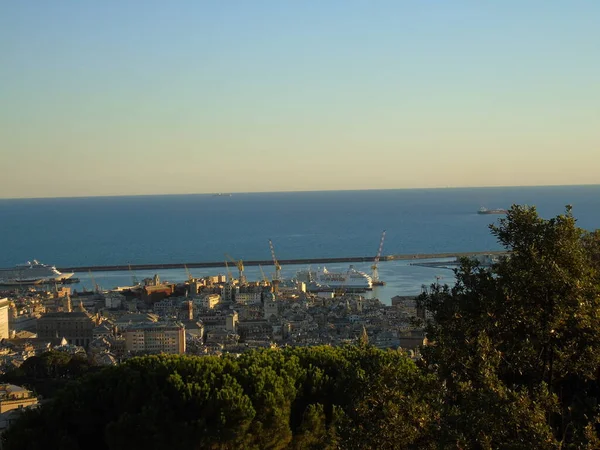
(300, 191)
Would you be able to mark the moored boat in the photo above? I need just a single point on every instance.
(352, 279)
(32, 273)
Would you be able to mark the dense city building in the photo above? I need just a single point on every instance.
(15, 397)
(4, 329)
(158, 337)
(212, 315)
(76, 327)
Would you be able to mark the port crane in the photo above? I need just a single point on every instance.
(277, 277)
(96, 287)
(374, 267)
(264, 277)
(188, 273)
(229, 276)
(134, 279)
(240, 266)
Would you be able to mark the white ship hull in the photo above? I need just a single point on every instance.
(351, 279)
(31, 274)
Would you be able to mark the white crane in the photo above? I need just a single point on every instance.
(277, 277)
(374, 268)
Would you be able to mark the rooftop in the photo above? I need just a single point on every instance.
(66, 315)
(154, 326)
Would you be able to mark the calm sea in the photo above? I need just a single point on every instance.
(190, 228)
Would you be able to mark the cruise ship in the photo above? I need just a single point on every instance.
(32, 273)
(351, 279)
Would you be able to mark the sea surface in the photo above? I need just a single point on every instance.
(204, 227)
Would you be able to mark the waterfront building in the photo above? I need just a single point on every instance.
(159, 337)
(156, 292)
(4, 328)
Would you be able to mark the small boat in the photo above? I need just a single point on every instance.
(484, 210)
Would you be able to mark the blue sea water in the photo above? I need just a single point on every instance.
(196, 228)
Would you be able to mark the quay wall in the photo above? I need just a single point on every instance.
(268, 262)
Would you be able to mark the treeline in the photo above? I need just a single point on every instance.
(318, 397)
(512, 362)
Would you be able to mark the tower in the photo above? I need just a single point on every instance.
(271, 307)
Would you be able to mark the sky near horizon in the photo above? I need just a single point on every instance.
(154, 97)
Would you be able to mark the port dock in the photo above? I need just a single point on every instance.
(268, 262)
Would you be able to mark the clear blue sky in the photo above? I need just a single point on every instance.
(141, 97)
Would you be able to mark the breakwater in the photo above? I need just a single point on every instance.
(268, 262)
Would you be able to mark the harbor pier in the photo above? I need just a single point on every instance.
(268, 262)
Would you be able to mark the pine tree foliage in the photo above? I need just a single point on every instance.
(319, 397)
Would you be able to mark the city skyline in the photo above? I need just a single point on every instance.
(142, 99)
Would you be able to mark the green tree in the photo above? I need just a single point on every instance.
(49, 372)
(319, 397)
(538, 309)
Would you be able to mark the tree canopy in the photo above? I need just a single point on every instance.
(49, 372)
(319, 397)
(528, 331)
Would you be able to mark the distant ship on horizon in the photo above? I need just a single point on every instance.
(220, 194)
(484, 210)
